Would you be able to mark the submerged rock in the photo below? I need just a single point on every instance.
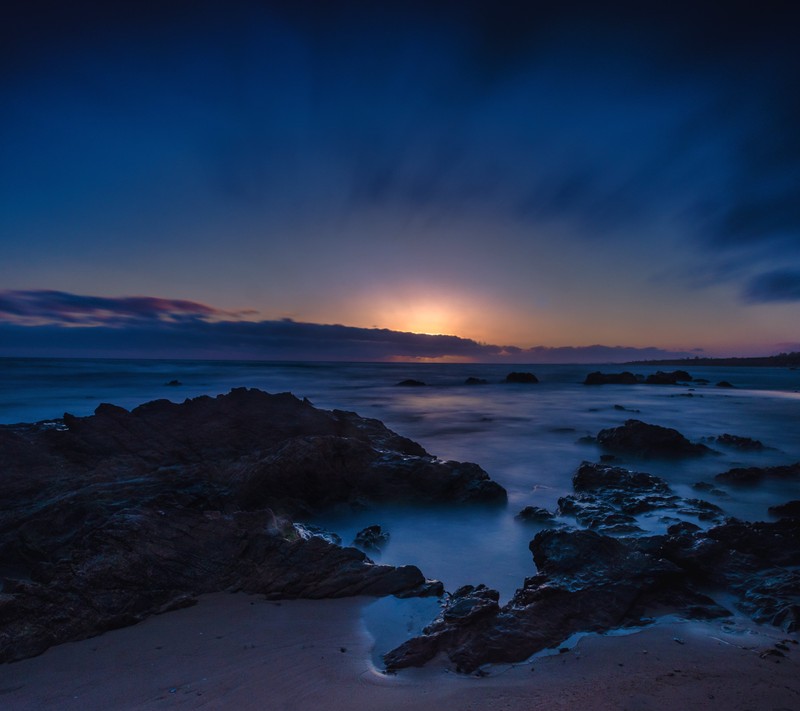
(724, 384)
(125, 514)
(521, 378)
(371, 538)
(476, 381)
(628, 378)
(624, 378)
(411, 383)
(646, 440)
(535, 514)
(673, 378)
(746, 443)
(754, 475)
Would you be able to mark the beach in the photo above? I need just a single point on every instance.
(234, 651)
(267, 651)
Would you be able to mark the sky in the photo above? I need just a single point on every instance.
(538, 181)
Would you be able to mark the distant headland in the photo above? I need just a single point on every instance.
(782, 360)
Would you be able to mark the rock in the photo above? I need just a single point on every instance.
(521, 378)
(724, 384)
(708, 488)
(475, 381)
(586, 582)
(411, 383)
(791, 509)
(123, 514)
(624, 378)
(746, 443)
(174, 383)
(535, 514)
(645, 440)
(661, 378)
(599, 477)
(371, 538)
(754, 475)
(590, 582)
(608, 499)
(463, 610)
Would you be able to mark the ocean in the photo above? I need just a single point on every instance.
(527, 437)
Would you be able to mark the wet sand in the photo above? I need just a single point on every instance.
(242, 652)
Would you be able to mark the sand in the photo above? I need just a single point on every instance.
(242, 652)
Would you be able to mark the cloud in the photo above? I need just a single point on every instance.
(59, 324)
(47, 307)
(779, 285)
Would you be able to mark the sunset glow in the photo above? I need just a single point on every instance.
(503, 174)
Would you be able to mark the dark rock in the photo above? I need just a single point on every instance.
(754, 475)
(411, 383)
(125, 514)
(535, 514)
(590, 582)
(608, 499)
(475, 381)
(791, 509)
(662, 378)
(371, 538)
(745, 443)
(645, 440)
(702, 381)
(586, 582)
(521, 378)
(724, 384)
(625, 378)
(594, 477)
(708, 488)
(174, 383)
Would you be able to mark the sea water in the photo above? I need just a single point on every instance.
(527, 437)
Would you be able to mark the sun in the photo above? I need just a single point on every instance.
(428, 318)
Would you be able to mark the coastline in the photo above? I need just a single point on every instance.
(241, 651)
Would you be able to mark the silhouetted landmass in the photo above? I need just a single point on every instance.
(782, 360)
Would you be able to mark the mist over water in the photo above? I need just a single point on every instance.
(525, 436)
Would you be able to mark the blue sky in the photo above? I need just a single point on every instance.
(535, 174)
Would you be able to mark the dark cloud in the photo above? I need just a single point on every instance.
(39, 307)
(779, 285)
(64, 324)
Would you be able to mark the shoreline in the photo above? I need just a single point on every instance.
(244, 652)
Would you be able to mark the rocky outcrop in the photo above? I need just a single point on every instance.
(108, 519)
(476, 381)
(586, 582)
(608, 499)
(791, 509)
(591, 582)
(754, 475)
(645, 440)
(411, 383)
